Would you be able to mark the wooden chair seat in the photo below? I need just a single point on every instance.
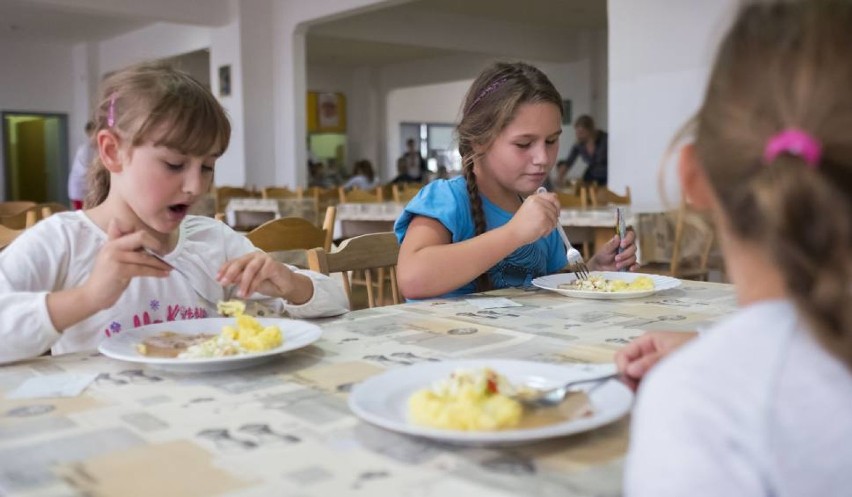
(373, 253)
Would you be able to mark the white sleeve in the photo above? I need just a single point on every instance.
(328, 298)
(29, 270)
(685, 441)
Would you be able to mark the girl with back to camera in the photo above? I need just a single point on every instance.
(80, 276)
(488, 228)
(761, 405)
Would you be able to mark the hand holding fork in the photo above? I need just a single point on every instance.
(576, 264)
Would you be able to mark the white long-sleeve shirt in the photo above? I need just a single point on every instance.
(77, 175)
(754, 407)
(59, 253)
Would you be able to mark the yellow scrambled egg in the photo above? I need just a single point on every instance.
(601, 284)
(468, 400)
(253, 336)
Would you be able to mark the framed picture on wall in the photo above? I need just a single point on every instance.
(224, 81)
(326, 112)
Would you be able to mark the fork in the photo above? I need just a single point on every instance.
(537, 397)
(575, 260)
(227, 291)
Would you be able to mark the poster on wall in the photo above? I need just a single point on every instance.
(326, 112)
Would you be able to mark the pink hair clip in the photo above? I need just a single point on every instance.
(111, 110)
(488, 89)
(796, 142)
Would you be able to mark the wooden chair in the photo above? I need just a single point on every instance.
(356, 195)
(48, 208)
(601, 195)
(569, 201)
(19, 215)
(693, 241)
(371, 252)
(281, 192)
(290, 233)
(405, 192)
(7, 236)
(226, 193)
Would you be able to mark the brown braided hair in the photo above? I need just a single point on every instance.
(786, 65)
(157, 102)
(489, 106)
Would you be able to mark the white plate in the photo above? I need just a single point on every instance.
(552, 282)
(297, 334)
(383, 399)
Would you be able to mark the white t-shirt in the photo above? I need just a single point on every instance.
(59, 253)
(754, 407)
(77, 175)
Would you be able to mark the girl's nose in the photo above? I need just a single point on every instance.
(193, 182)
(539, 154)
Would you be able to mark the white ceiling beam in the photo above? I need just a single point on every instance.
(206, 13)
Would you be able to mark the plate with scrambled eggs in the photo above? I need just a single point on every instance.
(211, 344)
(607, 285)
(470, 401)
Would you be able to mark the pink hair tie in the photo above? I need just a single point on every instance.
(796, 142)
(111, 110)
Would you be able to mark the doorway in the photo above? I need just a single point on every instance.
(35, 162)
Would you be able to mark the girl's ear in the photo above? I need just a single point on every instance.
(109, 149)
(693, 180)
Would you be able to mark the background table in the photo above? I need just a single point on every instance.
(284, 428)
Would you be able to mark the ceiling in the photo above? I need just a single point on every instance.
(61, 21)
(24, 20)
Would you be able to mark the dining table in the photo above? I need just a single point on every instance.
(284, 427)
(591, 226)
(247, 213)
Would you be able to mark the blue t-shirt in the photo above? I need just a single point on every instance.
(447, 202)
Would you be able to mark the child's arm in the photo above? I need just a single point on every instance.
(609, 259)
(430, 265)
(120, 260)
(308, 294)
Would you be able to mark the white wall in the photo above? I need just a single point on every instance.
(158, 41)
(39, 87)
(225, 50)
(658, 67)
(441, 102)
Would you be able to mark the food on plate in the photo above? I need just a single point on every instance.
(601, 284)
(246, 337)
(467, 400)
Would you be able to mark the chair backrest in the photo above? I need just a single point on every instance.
(225, 193)
(287, 233)
(693, 240)
(370, 253)
(328, 225)
(7, 236)
(601, 195)
(405, 192)
(20, 218)
(15, 207)
(48, 208)
(281, 192)
(569, 201)
(357, 195)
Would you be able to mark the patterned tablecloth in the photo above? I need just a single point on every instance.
(284, 428)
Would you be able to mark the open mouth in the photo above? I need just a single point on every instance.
(179, 208)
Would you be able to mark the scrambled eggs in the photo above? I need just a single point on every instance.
(247, 336)
(601, 284)
(467, 400)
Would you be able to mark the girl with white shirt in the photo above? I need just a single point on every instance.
(78, 277)
(761, 404)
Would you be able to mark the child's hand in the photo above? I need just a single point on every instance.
(636, 358)
(258, 272)
(608, 258)
(536, 218)
(120, 260)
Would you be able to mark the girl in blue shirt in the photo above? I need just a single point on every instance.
(488, 229)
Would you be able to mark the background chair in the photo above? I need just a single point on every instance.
(373, 253)
(405, 192)
(281, 192)
(570, 201)
(290, 233)
(18, 215)
(226, 193)
(357, 195)
(48, 208)
(7, 236)
(690, 249)
(601, 195)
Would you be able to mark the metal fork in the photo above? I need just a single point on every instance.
(575, 259)
(534, 397)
